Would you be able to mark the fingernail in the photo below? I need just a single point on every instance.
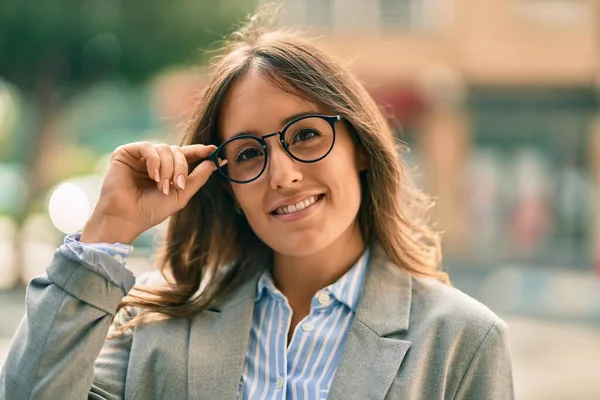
(165, 187)
(180, 182)
(156, 175)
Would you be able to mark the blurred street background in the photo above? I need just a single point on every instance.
(499, 101)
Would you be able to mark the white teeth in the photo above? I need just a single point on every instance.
(301, 205)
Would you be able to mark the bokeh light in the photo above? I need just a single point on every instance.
(68, 207)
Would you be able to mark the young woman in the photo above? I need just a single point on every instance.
(297, 262)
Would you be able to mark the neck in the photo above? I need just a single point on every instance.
(299, 278)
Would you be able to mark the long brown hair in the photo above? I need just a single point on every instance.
(208, 242)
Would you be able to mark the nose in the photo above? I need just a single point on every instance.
(284, 172)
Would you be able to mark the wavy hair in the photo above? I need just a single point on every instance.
(210, 250)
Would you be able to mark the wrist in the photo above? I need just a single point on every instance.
(107, 229)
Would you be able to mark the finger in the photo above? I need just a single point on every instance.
(180, 167)
(166, 167)
(142, 150)
(198, 177)
(196, 152)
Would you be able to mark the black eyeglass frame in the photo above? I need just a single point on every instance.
(331, 119)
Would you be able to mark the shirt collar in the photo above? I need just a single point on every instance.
(346, 290)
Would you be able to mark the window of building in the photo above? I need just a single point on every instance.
(367, 14)
(414, 14)
(398, 13)
(553, 12)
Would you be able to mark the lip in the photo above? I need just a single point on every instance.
(292, 200)
(302, 213)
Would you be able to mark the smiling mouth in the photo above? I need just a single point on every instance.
(299, 206)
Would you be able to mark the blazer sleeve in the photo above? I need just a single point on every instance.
(60, 347)
(489, 374)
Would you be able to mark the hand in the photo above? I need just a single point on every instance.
(144, 185)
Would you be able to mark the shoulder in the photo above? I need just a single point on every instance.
(150, 278)
(456, 331)
(451, 312)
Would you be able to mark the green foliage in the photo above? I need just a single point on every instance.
(71, 42)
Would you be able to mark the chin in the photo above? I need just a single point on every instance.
(300, 246)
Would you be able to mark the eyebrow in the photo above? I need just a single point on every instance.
(284, 122)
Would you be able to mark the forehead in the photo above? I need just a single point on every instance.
(255, 104)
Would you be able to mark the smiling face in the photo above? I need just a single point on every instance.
(296, 208)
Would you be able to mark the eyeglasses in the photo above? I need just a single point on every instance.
(307, 139)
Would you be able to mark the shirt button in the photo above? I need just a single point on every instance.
(279, 382)
(324, 298)
(307, 327)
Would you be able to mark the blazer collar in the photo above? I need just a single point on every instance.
(246, 292)
(372, 353)
(218, 344)
(385, 303)
(375, 349)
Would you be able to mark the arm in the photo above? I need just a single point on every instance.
(68, 314)
(489, 374)
(69, 310)
(111, 366)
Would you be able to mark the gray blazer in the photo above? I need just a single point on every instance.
(412, 338)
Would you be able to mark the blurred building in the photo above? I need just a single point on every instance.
(498, 98)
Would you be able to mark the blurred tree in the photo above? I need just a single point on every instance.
(51, 49)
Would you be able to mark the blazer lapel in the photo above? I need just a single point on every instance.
(371, 358)
(218, 346)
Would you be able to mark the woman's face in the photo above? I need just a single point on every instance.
(254, 105)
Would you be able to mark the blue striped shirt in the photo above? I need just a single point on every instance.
(305, 368)
(272, 370)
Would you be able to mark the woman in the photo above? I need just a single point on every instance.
(297, 261)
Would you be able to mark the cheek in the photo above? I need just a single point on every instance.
(339, 170)
(341, 178)
(349, 174)
(243, 195)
